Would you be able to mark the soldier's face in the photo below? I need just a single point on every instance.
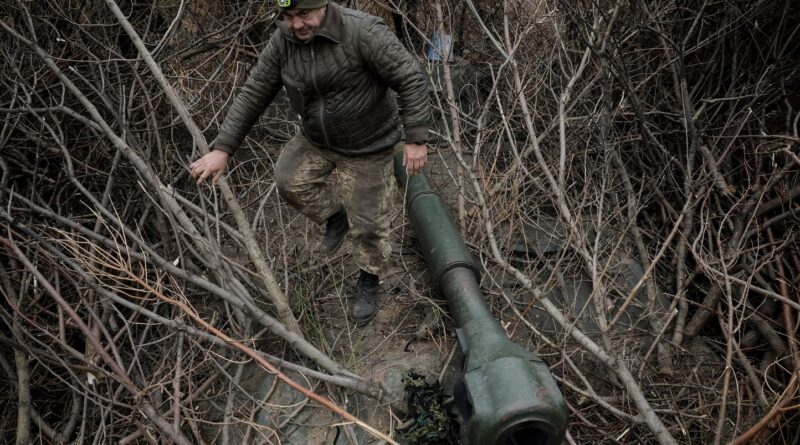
(304, 22)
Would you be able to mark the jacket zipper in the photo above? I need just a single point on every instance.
(321, 99)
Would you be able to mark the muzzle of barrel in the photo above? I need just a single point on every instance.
(505, 394)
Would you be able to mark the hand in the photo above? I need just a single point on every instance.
(414, 158)
(212, 164)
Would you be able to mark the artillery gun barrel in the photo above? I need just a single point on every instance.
(505, 394)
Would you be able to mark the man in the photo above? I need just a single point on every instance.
(337, 66)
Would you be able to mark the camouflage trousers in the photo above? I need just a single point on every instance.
(367, 189)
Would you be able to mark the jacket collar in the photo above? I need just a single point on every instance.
(331, 28)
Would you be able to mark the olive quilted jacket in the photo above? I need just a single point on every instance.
(342, 83)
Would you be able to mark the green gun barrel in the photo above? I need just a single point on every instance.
(505, 394)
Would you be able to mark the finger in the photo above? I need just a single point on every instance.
(203, 177)
(217, 175)
(197, 169)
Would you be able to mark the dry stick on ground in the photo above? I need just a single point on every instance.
(788, 321)
(616, 364)
(23, 395)
(727, 329)
(656, 342)
(228, 411)
(590, 393)
(44, 427)
(658, 234)
(564, 99)
(664, 357)
(252, 354)
(151, 257)
(147, 409)
(744, 283)
(141, 166)
(558, 195)
(680, 273)
(704, 312)
(339, 380)
(256, 255)
(176, 384)
(277, 328)
(633, 208)
(788, 395)
(790, 392)
(42, 357)
(21, 361)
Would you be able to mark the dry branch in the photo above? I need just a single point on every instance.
(276, 295)
(655, 144)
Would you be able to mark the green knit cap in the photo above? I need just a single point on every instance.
(285, 5)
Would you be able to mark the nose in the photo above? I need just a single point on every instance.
(296, 23)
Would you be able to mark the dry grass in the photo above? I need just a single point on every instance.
(658, 142)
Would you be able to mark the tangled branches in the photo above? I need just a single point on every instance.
(627, 171)
(88, 122)
(658, 145)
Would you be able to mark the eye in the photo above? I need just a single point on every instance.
(303, 14)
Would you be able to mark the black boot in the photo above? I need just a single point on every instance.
(366, 297)
(335, 228)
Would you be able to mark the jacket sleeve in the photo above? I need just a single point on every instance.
(388, 58)
(256, 94)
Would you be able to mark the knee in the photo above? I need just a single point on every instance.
(290, 186)
(284, 183)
